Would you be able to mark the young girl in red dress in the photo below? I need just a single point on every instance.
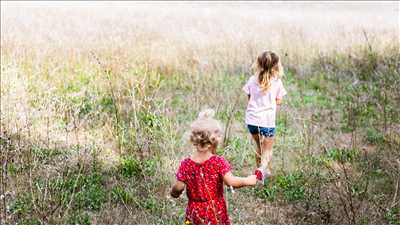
(204, 174)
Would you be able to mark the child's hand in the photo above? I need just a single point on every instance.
(252, 180)
(177, 189)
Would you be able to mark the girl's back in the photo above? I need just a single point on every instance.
(203, 175)
(204, 189)
(261, 108)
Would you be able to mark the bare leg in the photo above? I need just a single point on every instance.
(258, 149)
(266, 151)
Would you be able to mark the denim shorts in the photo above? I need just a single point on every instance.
(265, 131)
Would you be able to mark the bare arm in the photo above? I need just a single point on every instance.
(177, 189)
(278, 104)
(238, 182)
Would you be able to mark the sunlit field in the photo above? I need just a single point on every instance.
(97, 99)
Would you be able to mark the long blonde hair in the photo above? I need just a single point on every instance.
(268, 66)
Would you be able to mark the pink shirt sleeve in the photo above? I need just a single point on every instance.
(181, 174)
(281, 91)
(246, 87)
(224, 166)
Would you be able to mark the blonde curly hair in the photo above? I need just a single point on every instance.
(206, 130)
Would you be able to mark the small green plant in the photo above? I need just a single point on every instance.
(92, 193)
(374, 136)
(342, 155)
(30, 222)
(269, 192)
(150, 119)
(150, 203)
(149, 167)
(119, 194)
(393, 216)
(235, 150)
(22, 205)
(130, 167)
(282, 123)
(289, 186)
(315, 161)
(86, 191)
(13, 169)
(44, 154)
(81, 219)
(292, 186)
(106, 104)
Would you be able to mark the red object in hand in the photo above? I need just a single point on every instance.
(258, 174)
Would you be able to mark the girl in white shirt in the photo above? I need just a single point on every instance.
(265, 91)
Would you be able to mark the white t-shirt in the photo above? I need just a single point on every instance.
(261, 108)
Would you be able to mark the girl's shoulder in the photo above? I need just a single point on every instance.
(277, 81)
(220, 159)
(252, 80)
(185, 161)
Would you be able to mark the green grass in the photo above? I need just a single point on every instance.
(131, 167)
(31, 222)
(79, 218)
(374, 136)
(342, 155)
(288, 187)
(393, 216)
(22, 204)
(119, 194)
(147, 137)
(45, 154)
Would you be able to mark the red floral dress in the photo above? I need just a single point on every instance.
(205, 190)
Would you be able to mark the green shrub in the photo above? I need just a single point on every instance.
(92, 193)
(269, 192)
(22, 204)
(393, 216)
(289, 186)
(44, 154)
(149, 167)
(79, 219)
(292, 186)
(130, 167)
(30, 222)
(282, 123)
(119, 194)
(13, 168)
(150, 119)
(106, 104)
(150, 203)
(89, 190)
(342, 155)
(83, 103)
(374, 136)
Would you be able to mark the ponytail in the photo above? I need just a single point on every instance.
(265, 62)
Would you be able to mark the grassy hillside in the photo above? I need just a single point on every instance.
(96, 103)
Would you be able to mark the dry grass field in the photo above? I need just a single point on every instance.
(97, 99)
